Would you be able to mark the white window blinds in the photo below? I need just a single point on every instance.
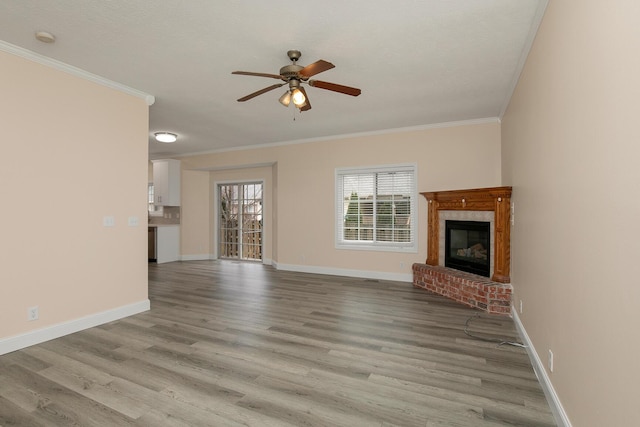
(376, 208)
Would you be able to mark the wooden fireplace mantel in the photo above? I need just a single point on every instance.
(495, 199)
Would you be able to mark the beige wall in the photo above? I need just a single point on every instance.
(195, 226)
(305, 175)
(73, 152)
(571, 144)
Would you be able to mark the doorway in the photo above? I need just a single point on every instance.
(240, 222)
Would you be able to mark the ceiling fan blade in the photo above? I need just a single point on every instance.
(316, 68)
(307, 104)
(249, 73)
(260, 92)
(347, 90)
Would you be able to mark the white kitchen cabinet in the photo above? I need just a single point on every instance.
(166, 182)
(167, 243)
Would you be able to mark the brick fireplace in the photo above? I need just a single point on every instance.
(484, 204)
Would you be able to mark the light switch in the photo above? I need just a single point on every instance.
(133, 221)
(108, 221)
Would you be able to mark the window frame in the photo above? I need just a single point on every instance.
(373, 245)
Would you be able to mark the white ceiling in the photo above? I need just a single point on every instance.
(418, 62)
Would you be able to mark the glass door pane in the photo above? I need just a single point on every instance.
(240, 221)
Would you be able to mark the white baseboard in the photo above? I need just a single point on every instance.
(212, 257)
(552, 397)
(365, 274)
(197, 257)
(17, 342)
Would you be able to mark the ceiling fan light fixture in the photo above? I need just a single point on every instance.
(166, 137)
(285, 99)
(298, 98)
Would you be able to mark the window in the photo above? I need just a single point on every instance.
(151, 204)
(376, 208)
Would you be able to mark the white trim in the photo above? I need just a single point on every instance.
(364, 274)
(212, 257)
(561, 417)
(235, 167)
(197, 257)
(38, 336)
(533, 30)
(347, 136)
(70, 69)
(378, 247)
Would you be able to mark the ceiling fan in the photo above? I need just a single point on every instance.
(295, 75)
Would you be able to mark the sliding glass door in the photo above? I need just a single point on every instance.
(240, 221)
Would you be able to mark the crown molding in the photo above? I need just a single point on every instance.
(61, 66)
(418, 128)
(533, 30)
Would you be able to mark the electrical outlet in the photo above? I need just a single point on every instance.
(550, 361)
(32, 313)
(402, 265)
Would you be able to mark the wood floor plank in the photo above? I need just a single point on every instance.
(61, 403)
(243, 344)
(13, 415)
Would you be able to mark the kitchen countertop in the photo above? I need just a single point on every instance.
(163, 225)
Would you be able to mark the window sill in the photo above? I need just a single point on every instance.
(377, 248)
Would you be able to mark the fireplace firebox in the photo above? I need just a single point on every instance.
(468, 246)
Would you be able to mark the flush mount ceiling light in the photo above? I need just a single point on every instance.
(166, 137)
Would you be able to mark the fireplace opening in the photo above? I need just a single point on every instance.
(467, 246)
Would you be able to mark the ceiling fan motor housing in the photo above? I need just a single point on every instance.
(292, 71)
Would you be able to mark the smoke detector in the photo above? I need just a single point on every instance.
(45, 37)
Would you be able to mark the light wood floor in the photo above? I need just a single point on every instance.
(231, 344)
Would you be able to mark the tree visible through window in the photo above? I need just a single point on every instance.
(240, 221)
(376, 207)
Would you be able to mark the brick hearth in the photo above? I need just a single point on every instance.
(469, 289)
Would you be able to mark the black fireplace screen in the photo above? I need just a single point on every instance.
(467, 246)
